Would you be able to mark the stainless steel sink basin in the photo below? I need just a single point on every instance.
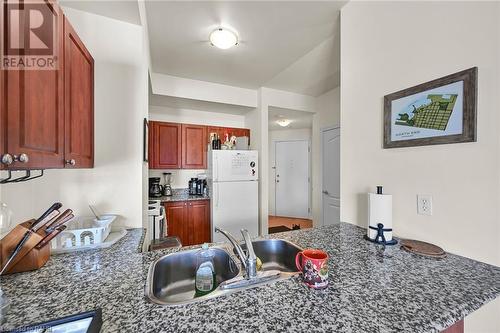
(276, 254)
(171, 278)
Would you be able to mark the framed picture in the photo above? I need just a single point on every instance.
(145, 140)
(437, 112)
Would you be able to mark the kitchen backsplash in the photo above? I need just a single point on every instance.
(180, 178)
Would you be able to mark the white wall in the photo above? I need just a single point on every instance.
(327, 115)
(180, 178)
(168, 85)
(281, 135)
(257, 121)
(114, 185)
(391, 50)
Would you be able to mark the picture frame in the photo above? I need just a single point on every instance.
(442, 111)
(145, 140)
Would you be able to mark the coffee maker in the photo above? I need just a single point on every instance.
(167, 188)
(155, 189)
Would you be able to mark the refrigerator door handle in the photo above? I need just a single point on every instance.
(216, 167)
(217, 196)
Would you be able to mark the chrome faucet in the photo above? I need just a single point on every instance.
(249, 261)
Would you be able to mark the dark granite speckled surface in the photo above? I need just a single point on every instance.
(370, 291)
(180, 195)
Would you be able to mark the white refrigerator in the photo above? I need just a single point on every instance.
(233, 180)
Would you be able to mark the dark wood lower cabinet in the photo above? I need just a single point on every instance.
(189, 220)
(176, 214)
(458, 327)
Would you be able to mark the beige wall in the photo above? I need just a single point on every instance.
(385, 48)
(327, 115)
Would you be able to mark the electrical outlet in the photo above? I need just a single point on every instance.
(424, 204)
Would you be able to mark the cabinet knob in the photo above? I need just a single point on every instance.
(7, 159)
(70, 162)
(23, 158)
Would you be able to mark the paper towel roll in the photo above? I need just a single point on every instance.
(379, 211)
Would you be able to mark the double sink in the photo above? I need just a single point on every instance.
(171, 279)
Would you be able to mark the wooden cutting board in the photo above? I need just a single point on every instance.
(422, 248)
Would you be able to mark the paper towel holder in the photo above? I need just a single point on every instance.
(380, 238)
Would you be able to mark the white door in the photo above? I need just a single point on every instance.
(331, 176)
(292, 179)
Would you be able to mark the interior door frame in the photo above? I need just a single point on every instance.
(322, 132)
(309, 175)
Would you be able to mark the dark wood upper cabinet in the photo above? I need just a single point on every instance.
(47, 115)
(194, 147)
(79, 101)
(165, 145)
(33, 111)
(182, 146)
(230, 131)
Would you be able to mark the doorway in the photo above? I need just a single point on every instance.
(290, 201)
(330, 139)
(292, 179)
(292, 186)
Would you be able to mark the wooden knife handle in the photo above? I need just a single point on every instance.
(50, 237)
(61, 219)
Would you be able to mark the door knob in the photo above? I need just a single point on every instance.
(70, 162)
(325, 192)
(277, 181)
(23, 158)
(7, 159)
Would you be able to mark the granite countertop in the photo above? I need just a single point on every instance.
(370, 290)
(180, 195)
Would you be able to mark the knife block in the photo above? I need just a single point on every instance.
(28, 258)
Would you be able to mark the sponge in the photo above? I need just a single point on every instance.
(259, 264)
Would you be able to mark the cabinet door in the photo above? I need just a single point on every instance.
(33, 109)
(79, 101)
(176, 213)
(212, 129)
(3, 116)
(199, 221)
(194, 147)
(166, 145)
(222, 131)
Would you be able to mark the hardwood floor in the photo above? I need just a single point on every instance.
(289, 222)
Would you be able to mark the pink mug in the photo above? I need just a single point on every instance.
(314, 267)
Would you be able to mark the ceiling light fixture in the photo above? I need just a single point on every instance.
(283, 122)
(223, 38)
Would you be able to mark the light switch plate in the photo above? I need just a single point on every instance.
(424, 204)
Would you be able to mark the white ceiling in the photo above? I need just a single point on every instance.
(300, 119)
(315, 73)
(285, 45)
(126, 10)
(273, 36)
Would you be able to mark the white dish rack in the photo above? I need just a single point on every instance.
(82, 233)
